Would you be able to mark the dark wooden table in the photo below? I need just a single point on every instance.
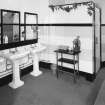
(73, 61)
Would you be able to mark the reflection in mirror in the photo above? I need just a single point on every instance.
(31, 32)
(10, 26)
(31, 18)
(15, 33)
(31, 28)
(10, 17)
(22, 36)
(10, 33)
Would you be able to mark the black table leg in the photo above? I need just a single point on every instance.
(78, 66)
(57, 65)
(74, 70)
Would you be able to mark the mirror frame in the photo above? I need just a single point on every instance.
(13, 24)
(19, 43)
(30, 24)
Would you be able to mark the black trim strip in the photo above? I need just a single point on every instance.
(6, 10)
(55, 24)
(29, 13)
(17, 44)
(65, 24)
(102, 24)
(11, 23)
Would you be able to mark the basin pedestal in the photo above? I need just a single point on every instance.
(15, 58)
(36, 71)
(35, 55)
(16, 82)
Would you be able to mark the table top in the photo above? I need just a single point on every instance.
(71, 52)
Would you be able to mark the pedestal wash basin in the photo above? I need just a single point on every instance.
(35, 50)
(15, 57)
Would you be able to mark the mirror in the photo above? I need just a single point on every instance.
(10, 33)
(22, 34)
(31, 32)
(10, 26)
(31, 27)
(13, 33)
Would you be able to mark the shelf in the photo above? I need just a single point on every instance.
(70, 61)
(67, 70)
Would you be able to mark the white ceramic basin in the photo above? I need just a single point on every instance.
(14, 57)
(37, 49)
(17, 55)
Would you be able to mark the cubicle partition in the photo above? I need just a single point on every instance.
(64, 24)
(97, 40)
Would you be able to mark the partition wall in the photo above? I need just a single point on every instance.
(65, 22)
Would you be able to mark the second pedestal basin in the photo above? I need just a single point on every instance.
(35, 56)
(37, 49)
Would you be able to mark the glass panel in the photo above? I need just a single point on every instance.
(31, 32)
(31, 19)
(97, 38)
(22, 36)
(10, 33)
(10, 17)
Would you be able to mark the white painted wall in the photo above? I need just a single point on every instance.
(79, 15)
(41, 7)
(64, 36)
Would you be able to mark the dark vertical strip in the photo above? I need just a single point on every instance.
(25, 24)
(100, 37)
(1, 27)
(37, 25)
(94, 40)
(19, 27)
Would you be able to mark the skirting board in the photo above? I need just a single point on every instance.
(5, 80)
(89, 77)
(103, 64)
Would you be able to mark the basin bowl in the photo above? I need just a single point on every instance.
(37, 49)
(17, 55)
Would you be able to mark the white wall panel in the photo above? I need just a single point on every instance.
(59, 35)
(78, 15)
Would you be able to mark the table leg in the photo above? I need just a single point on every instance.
(74, 70)
(61, 62)
(78, 66)
(16, 82)
(36, 71)
(57, 71)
